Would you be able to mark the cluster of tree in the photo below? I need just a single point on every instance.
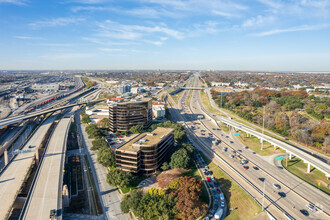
(152, 204)
(120, 178)
(84, 117)
(284, 112)
(187, 190)
(181, 158)
(104, 123)
(105, 155)
(137, 129)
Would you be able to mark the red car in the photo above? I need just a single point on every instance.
(208, 179)
(245, 167)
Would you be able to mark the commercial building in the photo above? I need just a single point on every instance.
(146, 152)
(158, 110)
(124, 115)
(124, 89)
(48, 86)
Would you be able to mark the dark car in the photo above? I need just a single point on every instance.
(261, 179)
(282, 194)
(256, 168)
(279, 167)
(304, 212)
(218, 191)
(210, 172)
(211, 185)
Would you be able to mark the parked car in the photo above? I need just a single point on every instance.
(245, 167)
(208, 179)
(211, 185)
(222, 204)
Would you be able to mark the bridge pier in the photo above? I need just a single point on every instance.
(290, 156)
(275, 147)
(308, 167)
(37, 155)
(6, 157)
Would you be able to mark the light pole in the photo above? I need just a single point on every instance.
(263, 129)
(263, 195)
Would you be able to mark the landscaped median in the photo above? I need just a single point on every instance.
(316, 178)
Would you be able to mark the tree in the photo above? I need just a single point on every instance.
(165, 166)
(180, 159)
(117, 177)
(188, 192)
(137, 129)
(104, 123)
(131, 201)
(106, 157)
(99, 143)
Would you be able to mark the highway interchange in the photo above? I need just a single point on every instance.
(297, 193)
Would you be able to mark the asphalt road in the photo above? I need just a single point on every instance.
(289, 184)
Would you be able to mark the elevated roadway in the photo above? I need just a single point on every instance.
(13, 176)
(19, 118)
(46, 192)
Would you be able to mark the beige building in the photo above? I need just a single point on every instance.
(146, 152)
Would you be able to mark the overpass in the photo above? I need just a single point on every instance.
(46, 192)
(291, 150)
(19, 118)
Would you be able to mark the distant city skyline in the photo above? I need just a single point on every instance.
(252, 35)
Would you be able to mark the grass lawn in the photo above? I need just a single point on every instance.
(177, 96)
(254, 144)
(188, 98)
(206, 103)
(299, 168)
(242, 204)
(224, 128)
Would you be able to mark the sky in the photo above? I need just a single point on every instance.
(259, 35)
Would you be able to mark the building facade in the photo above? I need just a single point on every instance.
(146, 152)
(124, 89)
(124, 115)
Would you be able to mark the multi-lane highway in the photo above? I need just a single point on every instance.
(46, 192)
(297, 193)
(13, 176)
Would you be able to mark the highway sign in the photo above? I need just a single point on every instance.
(236, 134)
(279, 158)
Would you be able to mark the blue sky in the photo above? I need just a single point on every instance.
(266, 35)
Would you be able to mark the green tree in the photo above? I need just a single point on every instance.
(99, 143)
(137, 129)
(131, 201)
(165, 166)
(106, 157)
(117, 177)
(180, 159)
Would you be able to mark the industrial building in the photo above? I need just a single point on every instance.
(146, 152)
(124, 115)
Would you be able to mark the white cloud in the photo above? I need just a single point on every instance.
(272, 3)
(66, 56)
(224, 14)
(27, 38)
(64, 21)
(257, 21)
(15, 2)
(316, 3)
(292, 29)
(111, 49)
(113, 29)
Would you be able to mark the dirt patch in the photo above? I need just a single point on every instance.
(165, 177)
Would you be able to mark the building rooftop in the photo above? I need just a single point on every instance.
(131, 101)
(146, 139)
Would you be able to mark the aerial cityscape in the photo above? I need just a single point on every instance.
(165, 109)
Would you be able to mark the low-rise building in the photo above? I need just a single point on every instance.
(48, 86)
(146, 152)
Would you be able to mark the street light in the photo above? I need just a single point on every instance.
(263, 129)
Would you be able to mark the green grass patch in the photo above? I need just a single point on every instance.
(206, 103)
(224, 128)
(299, 168)
(242, 204)
(254, 144)
(177, 96)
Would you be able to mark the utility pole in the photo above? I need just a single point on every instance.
(263, 129)
(263, 195)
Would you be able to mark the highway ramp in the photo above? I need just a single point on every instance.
(12, 178)
(46, 193)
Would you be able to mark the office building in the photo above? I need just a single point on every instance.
(124, 89)
(146, 152)
(124, 115)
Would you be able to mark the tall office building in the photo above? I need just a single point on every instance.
(125, 115)
(124, 89)
(146, 152)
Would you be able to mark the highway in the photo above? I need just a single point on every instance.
(14, 174)
(46, 192)
(320, 165)
(288, 186)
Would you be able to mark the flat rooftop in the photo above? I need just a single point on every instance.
(132, 101)
(146, 139)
